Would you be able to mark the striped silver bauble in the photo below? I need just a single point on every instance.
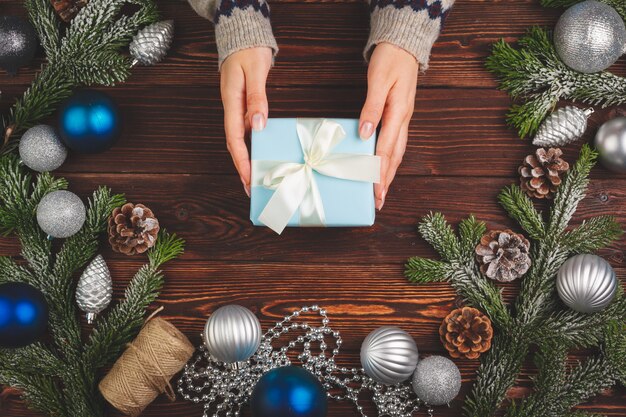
(586, 283)
(232, 334)
(389, 355)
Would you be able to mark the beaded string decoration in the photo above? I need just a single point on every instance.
(226, 388)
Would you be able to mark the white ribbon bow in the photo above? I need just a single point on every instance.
(295, 183)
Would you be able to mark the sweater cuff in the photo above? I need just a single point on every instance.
(415, 31)
(243, 29)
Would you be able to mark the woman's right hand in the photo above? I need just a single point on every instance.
(243, 76)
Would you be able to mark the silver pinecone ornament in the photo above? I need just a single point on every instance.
(95, 288)
(564, 126)
(150, 44)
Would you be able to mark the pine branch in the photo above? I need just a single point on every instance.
(435, 230)
(521, 208)
(534, 76)
(614, 348)
(496, 375)
(470, 233)
(618, 5)
(422, 270)
(114, 331)
(593, 234)
(47, 26)
(39, 392)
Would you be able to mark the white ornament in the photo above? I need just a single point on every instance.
(437, 380)
(586, 283)
(41, 149)
(389, 355)
(232, 334)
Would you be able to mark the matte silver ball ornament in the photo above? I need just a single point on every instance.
(437, 380)
(611, 144)
(232, 334)
(61, 214)
(590, 36)
(586, 283)
(389, 355)
(41, 149)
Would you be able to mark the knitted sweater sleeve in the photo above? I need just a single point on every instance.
(239, 24)
(413, 25)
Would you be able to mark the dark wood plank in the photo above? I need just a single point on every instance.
(211, 213)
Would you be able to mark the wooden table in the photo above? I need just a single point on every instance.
(172, 157)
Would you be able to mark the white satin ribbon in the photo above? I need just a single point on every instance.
(295, 183)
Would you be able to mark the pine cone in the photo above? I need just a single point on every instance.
(466, 332)
(503, 255)
(132, 229)
(68, 9)
(541, 173)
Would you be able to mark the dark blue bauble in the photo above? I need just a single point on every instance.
(18, 43)
(23, 315)
(89, 122)
(290, 391)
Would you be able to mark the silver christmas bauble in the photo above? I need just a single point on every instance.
(95, 288)
(61, 214)
(389, 355)
(590, 36)
(564, 126)
(611, 144)
(41, 149)
(586, 283)
(437, 380)
(232, 334)
(150, 44)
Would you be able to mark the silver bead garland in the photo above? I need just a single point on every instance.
(226, 390)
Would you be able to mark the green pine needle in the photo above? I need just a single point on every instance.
(521, 208)
(422, 270)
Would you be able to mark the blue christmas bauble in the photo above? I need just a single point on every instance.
(89, 122)
(23, 315)
(290, 391)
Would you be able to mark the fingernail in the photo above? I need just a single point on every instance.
(258, 122)
(246, 188)
(381, 203)
(366, 131)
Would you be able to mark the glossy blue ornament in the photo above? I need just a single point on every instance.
(23, 315)
(89, 122)
(289, 391)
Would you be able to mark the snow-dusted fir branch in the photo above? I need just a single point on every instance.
(87, 53)
(536, 79)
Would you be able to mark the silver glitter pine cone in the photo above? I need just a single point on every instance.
(95, 288)
(61, 214)
(151, 44)
(232, 334)
(586, 283)
(590, 36)
(389, 355)
(564, 126)
(41, 149)
(611, 144)
(437, 380)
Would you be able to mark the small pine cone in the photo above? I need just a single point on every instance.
(466, 332)
(132, 229)
(68, 9)
(503, 255)
(542, 173)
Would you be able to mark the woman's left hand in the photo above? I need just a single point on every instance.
(391, 85)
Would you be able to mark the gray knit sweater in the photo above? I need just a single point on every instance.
(413, 25)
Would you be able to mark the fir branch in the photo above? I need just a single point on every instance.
(435, 230)
(470, 233)
(47, 26)
(497, 373)
(422, 270)
(593, 234)
(614, 348)
(618, 5)
(114, 331)
(534, 76)
(41, 393)
(521, 208)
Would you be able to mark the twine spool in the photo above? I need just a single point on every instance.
(144, 370)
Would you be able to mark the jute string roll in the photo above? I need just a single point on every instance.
(145, 369)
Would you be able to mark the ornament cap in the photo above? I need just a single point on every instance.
(91, 317)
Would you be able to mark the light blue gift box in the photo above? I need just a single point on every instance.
(346, 203)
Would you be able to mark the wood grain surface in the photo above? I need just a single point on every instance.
(172, 158)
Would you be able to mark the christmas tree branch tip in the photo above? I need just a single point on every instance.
(168, 247)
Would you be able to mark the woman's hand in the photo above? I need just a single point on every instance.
(391, 83)
(245, 103)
